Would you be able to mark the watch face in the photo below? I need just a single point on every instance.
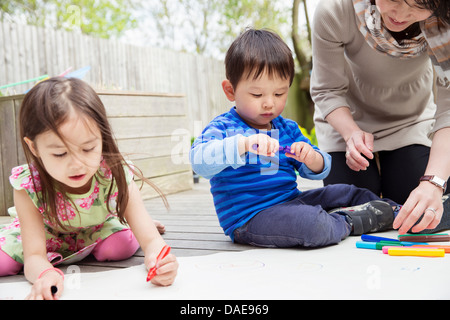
(438, 181)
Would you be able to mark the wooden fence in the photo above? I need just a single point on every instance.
(27, 52)
(151, 130)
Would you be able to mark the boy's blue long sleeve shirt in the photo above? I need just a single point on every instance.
(244, 185)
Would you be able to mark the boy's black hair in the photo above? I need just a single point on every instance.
(256, 51)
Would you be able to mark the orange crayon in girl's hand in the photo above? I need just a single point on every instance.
(164, 252)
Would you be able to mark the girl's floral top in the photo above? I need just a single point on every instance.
(86, 217)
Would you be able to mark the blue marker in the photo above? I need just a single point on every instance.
(366, 245)
(366, 237)
(409, 244)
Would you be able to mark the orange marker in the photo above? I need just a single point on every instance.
(446, 248)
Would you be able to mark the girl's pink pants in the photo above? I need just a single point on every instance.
(118, 246)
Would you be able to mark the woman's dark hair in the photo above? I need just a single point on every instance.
(440, 8)
(256, 51)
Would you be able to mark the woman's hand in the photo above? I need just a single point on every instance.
(359, 144)
(426, 199)
(420, 203)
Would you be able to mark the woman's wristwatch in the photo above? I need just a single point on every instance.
(436, 181)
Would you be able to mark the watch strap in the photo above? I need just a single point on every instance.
(432, 180)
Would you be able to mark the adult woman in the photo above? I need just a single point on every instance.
(372, 83)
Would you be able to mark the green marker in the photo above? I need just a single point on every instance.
(382, 244)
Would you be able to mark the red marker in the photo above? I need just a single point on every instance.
(164, 252)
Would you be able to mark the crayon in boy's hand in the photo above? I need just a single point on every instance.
(286, 149)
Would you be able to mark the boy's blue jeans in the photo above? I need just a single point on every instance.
(304, 221)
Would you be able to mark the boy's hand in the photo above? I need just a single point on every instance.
(303, 152)
(260, 144)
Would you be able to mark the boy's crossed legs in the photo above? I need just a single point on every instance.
(305, 220)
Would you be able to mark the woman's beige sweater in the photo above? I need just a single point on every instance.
(389, 97)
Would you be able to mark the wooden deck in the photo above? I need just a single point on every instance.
(192, 229)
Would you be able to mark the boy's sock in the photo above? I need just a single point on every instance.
(445, 220)
(369, 217)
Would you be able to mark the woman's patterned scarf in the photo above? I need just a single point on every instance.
(435, 38)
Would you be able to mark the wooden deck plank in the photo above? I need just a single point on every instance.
(208, 245)
(196, 236)
(189, 223)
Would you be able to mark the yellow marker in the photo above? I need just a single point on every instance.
(418, 252)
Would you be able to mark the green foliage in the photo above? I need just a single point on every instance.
(103, 19)
(238, 14)
(211, 25)
(310, 135)
(255, 13)
(99, 18)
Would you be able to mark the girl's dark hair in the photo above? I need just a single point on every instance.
(440, 8)
(256, 51)
(45, 107)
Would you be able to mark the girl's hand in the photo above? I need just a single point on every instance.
(166, 269)
(425, 196)
(358, 144)
(41, 289)
(303, 152)
(260, 144)
(161, 228)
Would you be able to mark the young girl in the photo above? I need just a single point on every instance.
(76, 195)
